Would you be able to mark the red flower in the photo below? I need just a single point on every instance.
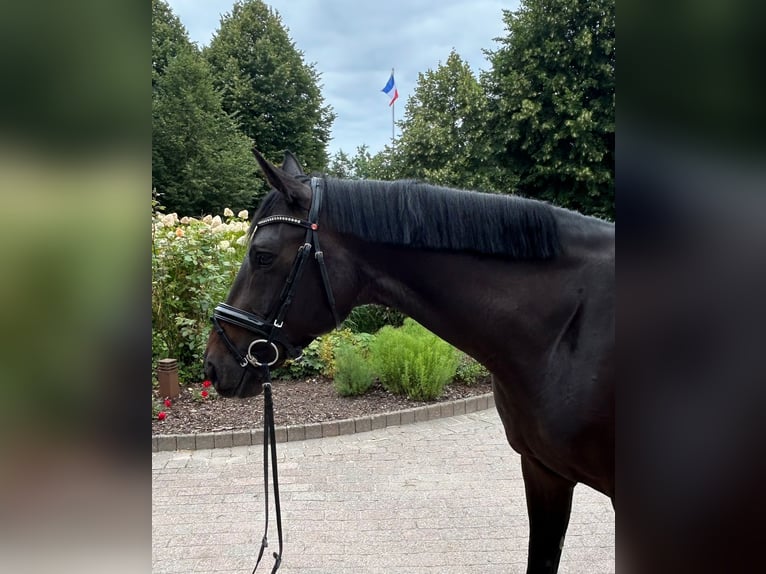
(204, 394)
(168, 402)
(161, 415)
(206, 384)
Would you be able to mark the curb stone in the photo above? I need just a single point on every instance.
(294, 433)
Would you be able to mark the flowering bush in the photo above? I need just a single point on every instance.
(194, 262)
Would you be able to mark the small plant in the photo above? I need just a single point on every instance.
(332, 341)
(310, 364)
(469, 370)
(205, 393)
(156, 408)
(354, 374)
(413, 361)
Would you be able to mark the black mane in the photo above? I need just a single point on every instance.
(426, 216)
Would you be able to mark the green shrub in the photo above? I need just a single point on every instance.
(354, 374)
(413, 361)
(469, 370)
(371, 318)
(310, 364)
(335, 339)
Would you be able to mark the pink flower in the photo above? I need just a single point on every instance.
(168, 402)
(206, 383)
(161, 415)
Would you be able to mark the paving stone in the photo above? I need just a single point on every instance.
(346, 426)
(313, 430)
(204, 440)
(166, 443)
(330, 428)
(407, 417)
(241, 438)
(363, 424)
(378, 421)
(280, 433)
(296, 432)
(431, 497)
(223, 439)
(393, 419)
(256, 436)
(186, 442)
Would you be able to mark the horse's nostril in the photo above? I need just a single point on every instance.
(210, 373)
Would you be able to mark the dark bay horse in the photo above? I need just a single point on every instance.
(524, 287)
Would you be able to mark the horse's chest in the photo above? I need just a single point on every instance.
(571, 440)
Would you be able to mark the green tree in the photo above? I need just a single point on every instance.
(201, 163)
(552, 102)
(443, 137)
(265, 83)
(168, 38)
(362, 165)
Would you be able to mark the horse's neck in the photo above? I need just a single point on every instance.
(485, 306)
(462, 298)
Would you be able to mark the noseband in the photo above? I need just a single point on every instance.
(269, 330)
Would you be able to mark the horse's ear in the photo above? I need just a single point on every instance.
(291, 164)
(284, 182)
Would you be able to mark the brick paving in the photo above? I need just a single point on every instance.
(443, 495)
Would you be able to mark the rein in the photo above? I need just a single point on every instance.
(270, 440)
(270, 338)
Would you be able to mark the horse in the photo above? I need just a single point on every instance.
(524, 287)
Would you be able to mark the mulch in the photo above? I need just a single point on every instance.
(305, 401)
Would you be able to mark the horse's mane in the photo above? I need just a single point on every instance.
(421, 215)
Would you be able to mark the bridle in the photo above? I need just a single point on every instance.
(268, 330)
(268, 333)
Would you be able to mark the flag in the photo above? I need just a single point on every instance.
(390, 90)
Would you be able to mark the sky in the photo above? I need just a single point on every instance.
(355, 44)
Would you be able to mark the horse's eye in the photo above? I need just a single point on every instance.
(264, 259)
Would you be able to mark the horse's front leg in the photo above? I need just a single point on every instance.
(549, 502)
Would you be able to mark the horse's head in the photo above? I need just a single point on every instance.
(282, 297)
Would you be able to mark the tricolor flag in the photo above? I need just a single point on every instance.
(390, 90)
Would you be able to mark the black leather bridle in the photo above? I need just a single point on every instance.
(268, 330)
(268, 333)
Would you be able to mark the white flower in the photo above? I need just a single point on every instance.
(224, 245)
(228, 212)
(242, 240)
(185, 220)
(170, 219)
(216, 221)
(207, 219)
(243, 214)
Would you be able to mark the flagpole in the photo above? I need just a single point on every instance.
(393, 120)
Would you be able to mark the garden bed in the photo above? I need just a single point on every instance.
(303, 401)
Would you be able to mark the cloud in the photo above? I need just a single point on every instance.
(354, 45)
